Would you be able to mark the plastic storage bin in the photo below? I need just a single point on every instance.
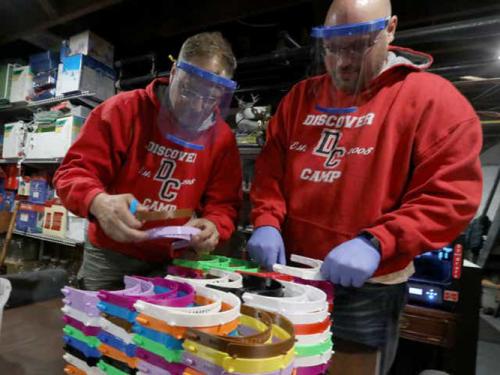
(5, 289)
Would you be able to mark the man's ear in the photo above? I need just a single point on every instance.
(391, 29)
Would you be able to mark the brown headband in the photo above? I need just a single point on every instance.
(254, 346)
(164, 215)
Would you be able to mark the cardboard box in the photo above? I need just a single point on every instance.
(83, 73)
(53, 140)
(44, 81)
(77, 228)
(70, 109)
(21, 84)
(24, 186)
(44, 94)
(88, 43)
(30, 218)
(13, 136)
(39, 191)
(80, 111)
(6, 71)
(7, 199)
(11, 172)
(44, 61)
(55, 221)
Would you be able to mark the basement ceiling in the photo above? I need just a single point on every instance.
(270, 37)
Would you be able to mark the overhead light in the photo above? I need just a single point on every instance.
(473, 78)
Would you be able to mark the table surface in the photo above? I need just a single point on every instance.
(31, 339)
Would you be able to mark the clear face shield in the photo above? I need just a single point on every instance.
(345, 52)
(196, 98)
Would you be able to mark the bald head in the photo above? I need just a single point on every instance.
(355, 11)
(350, 71)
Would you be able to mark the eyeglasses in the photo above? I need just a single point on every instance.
(356, 46)
(189, 93)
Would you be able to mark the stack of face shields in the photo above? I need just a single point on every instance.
(307, 308)
(126, 343)
(263, 344)
(117, 318)
(209, 262)
(308, 273)
(192, 322)
(305, 305)
(98, 334)
(83, 327)
(204, 278)
(81, 317)
(161, 329)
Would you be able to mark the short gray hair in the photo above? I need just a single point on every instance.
(207, 45)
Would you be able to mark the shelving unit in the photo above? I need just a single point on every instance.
(32, 161)
(25, 111)
(85, 98)
(43, 237)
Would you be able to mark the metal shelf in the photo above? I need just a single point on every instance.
(32, 161)
(44, 237)
(22, 108)
(9, 161)
(85, 98)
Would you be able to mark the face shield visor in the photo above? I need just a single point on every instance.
(196, 98)
(344, 51)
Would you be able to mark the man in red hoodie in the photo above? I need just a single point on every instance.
(165, 147)
(366, 167)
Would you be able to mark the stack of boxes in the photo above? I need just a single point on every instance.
(87, 65)
(84, 63)
(21, 89)
(44, 69)
(39, 211)
(31, 212)
(6, 71)
(53, 139)
(13, 139)
(7, 198)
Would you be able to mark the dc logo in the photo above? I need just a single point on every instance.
(170, 186)
(328, 147)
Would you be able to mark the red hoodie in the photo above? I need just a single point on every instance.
(404, 167)
(121, 150)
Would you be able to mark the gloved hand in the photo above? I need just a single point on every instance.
(351, 263)
(266, 247)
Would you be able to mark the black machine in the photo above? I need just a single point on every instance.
(437, 279)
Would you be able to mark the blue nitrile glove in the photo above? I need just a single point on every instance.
(266, 247)
(351, 263)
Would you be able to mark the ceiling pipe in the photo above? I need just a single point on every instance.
(434, 33)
